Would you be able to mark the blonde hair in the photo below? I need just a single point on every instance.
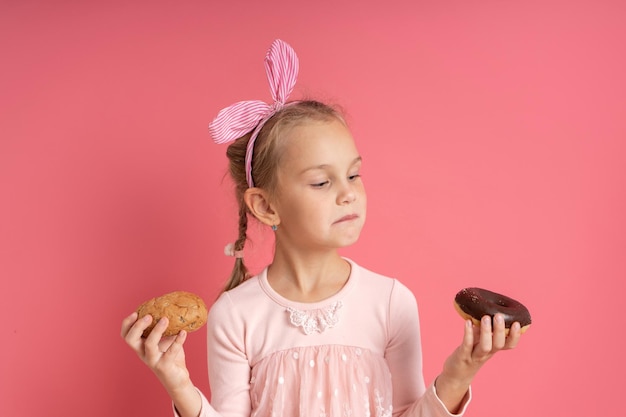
(266, 158)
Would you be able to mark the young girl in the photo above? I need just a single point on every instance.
(314, 334)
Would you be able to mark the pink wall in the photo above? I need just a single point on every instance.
(493, 138)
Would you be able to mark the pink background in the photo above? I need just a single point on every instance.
(493, 139)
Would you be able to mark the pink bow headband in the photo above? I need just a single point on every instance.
(236, 120)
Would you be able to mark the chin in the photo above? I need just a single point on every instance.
(349, 241)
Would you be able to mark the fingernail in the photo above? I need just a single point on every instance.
(499, 319)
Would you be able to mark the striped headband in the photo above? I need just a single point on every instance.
(236, 120)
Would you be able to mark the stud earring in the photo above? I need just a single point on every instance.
(274, 227)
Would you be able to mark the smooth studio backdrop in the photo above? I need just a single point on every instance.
(492, 134)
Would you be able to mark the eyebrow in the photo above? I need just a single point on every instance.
(322, 166)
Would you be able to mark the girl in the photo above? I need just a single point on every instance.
(314, 334)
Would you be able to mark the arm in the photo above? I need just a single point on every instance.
(404, 358)
(404, 350)
(229, 370)
(165, 356)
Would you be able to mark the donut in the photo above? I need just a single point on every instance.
(184, 310)
(474, 303)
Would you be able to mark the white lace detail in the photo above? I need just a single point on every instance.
(380, 409)
(315, 320)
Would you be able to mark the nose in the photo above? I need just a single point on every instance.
(347, 194)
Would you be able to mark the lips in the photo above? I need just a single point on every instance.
(347, 218)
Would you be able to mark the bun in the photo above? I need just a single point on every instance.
(184, 310)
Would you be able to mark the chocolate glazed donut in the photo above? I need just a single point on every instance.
(474, 303)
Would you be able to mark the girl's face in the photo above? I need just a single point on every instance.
(320, 197)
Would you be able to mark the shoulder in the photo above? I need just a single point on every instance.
(371, 278)
(233, 302)
(390, 303)
(382, 285)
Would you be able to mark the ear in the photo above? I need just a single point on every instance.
(260, 206)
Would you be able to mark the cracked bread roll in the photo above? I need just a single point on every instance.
(184, 310)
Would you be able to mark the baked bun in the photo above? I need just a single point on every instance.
(184, 310)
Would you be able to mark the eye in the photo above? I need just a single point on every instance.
(320, 184)
(354, 177)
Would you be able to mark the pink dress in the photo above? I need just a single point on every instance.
(355, 354)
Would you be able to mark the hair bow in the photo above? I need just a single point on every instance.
(236, 120)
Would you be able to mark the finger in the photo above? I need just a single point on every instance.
(514, 336)
(485, 338)
(127, 324)
(134, 335)
(476, 332)
(499, 332)
(155, 336)
(140, 325)
(468, 337)
(177, 345)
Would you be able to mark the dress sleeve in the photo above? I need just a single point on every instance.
(229, 369)
(205, 411)
(404, 358)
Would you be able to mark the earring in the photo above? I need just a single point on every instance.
(274, 227)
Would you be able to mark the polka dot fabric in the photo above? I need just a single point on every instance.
(324, 380)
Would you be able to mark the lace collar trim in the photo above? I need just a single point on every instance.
(313, 317)
(317, 320)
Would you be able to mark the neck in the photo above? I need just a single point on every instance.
(307, 277)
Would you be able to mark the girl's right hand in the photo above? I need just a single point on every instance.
(165, 356)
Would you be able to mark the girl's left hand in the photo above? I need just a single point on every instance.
(479, 345)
